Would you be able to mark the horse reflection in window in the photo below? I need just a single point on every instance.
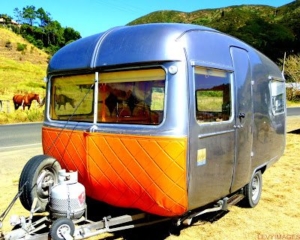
(62, 100)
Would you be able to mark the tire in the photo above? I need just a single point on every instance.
(253, 191)
(62, 225)
(36, 176)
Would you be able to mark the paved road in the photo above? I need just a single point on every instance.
(14, 135)
(293, 111)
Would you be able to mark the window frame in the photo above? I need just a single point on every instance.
(76, 116)
(217, 72)
(112, 76)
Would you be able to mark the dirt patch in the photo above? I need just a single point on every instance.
(12, 163)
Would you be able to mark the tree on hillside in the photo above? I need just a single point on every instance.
(291, 21)
(44, 17)
(270, 38)
(39, 29)
(54, 33)
(29, 15)
(18, 15)
(70, 35)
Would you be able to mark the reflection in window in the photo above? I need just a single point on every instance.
(131, 97)
(72, 98)
(213, 97)
(277, 89)
(135, 96)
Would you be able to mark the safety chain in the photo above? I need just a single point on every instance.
(69, 202)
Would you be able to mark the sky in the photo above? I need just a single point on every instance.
(89, 17)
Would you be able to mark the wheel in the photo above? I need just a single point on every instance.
(38, 174)
(60, 227)
(253, 190)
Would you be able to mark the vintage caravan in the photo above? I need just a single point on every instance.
(166, 119)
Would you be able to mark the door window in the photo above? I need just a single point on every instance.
(213, 95)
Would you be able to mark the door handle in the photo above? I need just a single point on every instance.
(241, 115)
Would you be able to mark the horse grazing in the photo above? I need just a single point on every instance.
(62, 100)
(25, 100)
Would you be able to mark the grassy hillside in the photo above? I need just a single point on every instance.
(22, 69)
(271, 30)
(210, 17)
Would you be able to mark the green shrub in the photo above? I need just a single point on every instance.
(21, 47)
(39, 44)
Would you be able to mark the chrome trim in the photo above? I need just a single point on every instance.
(270, 77)
(211, 65)
(96, 83)
(215, 133)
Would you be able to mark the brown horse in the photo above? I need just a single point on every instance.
(25, 100)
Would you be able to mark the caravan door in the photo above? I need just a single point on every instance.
(221, 136)
(243, 118)
(212, 135)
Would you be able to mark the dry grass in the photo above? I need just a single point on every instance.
(20, 71)
(31, 54)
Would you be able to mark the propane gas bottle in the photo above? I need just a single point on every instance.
(67, 198)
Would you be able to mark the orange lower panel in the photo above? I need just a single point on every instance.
(144, 172)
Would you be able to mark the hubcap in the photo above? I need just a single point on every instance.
(255, 187)
(45, 179)
(63, 230)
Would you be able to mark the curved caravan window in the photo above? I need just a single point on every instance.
(213, 95)
(72, 98)
(131, 97)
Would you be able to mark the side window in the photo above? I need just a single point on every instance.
(213, 95)
(72, 98)
(277, 89)
(132, 96)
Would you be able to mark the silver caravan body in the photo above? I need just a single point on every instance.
(223, 99)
